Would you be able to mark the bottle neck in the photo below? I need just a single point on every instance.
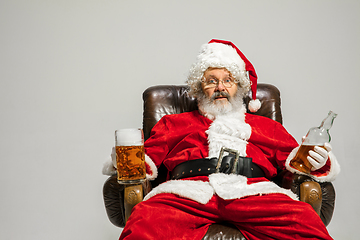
(328, 121)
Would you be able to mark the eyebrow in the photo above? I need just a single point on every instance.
(213, 76)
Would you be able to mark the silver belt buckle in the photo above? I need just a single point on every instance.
(221, 155)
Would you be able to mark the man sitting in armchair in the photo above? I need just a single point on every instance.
(197, 193)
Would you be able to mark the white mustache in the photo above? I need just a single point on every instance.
(220, 94)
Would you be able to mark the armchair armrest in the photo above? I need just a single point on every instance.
(320, 195)
(133, 194)
(119, 199)
(113, 194)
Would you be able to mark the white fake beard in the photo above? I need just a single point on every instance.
(213, 108)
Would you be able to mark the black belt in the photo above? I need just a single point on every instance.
(206, 166)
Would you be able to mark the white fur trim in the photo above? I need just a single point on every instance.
(153, 168)
(254, 105)
(225, 186)
(289, 158)
(331, 175)
(198, 191)
(109, 167)
(229, 130)
(231, 186)
(220, 55)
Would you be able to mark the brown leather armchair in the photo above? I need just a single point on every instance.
(167, 99)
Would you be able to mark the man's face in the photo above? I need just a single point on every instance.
(219, 95)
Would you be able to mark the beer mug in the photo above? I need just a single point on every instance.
(130, 156)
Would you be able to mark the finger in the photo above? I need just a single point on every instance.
(323, 152)
(316, 156)
(316, 165)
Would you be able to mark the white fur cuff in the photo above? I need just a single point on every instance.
(151, 169)
(108, 168)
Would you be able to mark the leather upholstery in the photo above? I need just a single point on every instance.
(170, 99)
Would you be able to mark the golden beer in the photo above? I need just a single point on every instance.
(130, 163)
(130, 156)
(300, 161)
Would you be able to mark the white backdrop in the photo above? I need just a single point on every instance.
(71, 72)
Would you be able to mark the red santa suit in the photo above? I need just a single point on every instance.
(184, 209)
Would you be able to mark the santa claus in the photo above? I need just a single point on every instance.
(197, 193)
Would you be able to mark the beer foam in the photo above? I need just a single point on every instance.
(129, 137)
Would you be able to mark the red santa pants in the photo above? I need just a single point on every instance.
(271, 216)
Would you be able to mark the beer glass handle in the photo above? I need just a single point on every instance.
(133, 194)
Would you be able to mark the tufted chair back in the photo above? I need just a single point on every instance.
(162, 100)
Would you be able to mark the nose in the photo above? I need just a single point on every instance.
(220, 86)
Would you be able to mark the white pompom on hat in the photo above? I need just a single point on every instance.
(224, 54)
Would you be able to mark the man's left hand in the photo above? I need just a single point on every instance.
(319, 156)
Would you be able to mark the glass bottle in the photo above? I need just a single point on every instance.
(317, 136)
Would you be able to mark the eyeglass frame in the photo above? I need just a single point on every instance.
(217, 82)
(233, 81)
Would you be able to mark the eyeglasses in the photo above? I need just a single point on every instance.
(213, 82)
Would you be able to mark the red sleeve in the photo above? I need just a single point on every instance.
(285, 143)
(156, 146)
(269, 145)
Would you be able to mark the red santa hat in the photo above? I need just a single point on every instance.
(224, 54)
